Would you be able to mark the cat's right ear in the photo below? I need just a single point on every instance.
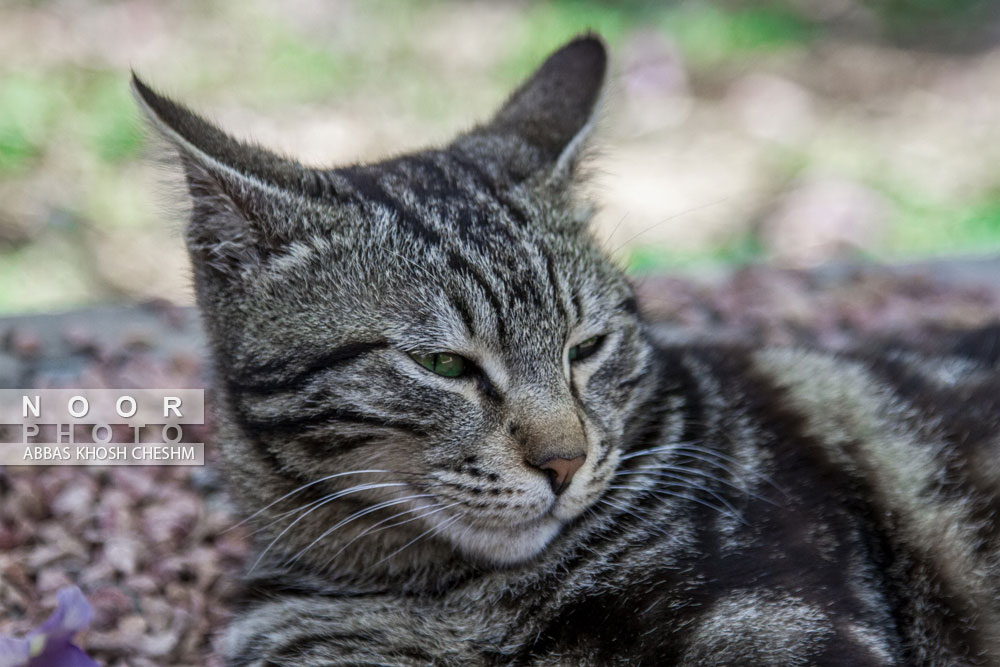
(552, 112)
(234, 186)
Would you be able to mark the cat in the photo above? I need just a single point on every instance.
(460, 443)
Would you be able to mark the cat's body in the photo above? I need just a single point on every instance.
(464, 446)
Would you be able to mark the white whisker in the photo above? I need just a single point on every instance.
(299, 490)
(659, 491)
(357, 515)
(328, 499)
(427, 533)
(434, 509)
(646, 521)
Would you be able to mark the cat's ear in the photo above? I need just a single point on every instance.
(235, 187)
(553, 111)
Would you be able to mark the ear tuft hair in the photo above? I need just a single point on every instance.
(234, 186)
(552, 107)
(548, 117)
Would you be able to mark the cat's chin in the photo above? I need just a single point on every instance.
(504, 546)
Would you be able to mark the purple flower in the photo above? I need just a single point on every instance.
(51, 645)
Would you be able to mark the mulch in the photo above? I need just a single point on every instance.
(150, 546)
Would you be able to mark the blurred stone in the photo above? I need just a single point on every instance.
(771, 107)
(75, 501)
(824, 219)
(50, 580)
(109, 603)
(171, 521)
(23, 343)
(142, 583)
(81, 339)
(653, 66)
(654, 81)
(11, 535)
(122, 554)
(132, 626)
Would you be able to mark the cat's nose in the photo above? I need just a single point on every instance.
(561, 471)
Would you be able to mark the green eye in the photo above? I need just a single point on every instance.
(585, 349)
(445, 364)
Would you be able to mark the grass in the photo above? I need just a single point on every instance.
(708, 34)
(77, 116)
(926, 228)
(653, 259)
(28, 104)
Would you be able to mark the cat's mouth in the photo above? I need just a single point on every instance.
(510, 540)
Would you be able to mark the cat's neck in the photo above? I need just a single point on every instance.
(359, 562)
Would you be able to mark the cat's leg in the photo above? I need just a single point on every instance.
(310, 631)
(764, 629)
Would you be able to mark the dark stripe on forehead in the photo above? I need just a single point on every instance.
(365, 182)
(557, 286)
(487, 184)
(461, 306)
(426, 177)
(523, 291)
(462, 265)
(474, 227)
(290, 425)
(458, 200)
(577, 304)
(629, 306)
(290, 374)
(316, 183)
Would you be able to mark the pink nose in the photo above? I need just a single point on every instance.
(561, 471)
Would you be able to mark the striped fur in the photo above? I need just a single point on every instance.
(736, 506)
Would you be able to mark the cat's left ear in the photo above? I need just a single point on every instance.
(550, 115)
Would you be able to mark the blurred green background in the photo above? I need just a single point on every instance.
(790, 131)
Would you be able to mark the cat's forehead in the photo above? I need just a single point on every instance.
(440, 197)
(436, 215)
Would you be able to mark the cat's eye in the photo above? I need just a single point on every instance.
(585, 349)
(445, 364)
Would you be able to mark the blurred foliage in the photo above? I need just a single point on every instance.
(953, 24)
(708, 33)
(27, 107)
(69, 127)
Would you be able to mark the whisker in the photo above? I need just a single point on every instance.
(683, 470)
(328, 499)
(650, 450)
(604, 245)
(695, 486)
(307, 505)
(299, 490)
(357, 515)
(433, 530)
(662, 221)
(435, 508)
(691, 447)
(624, 510)
(666, 492)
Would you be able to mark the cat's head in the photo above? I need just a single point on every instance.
(443, 316)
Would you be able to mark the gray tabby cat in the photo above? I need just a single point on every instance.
(461, 445)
